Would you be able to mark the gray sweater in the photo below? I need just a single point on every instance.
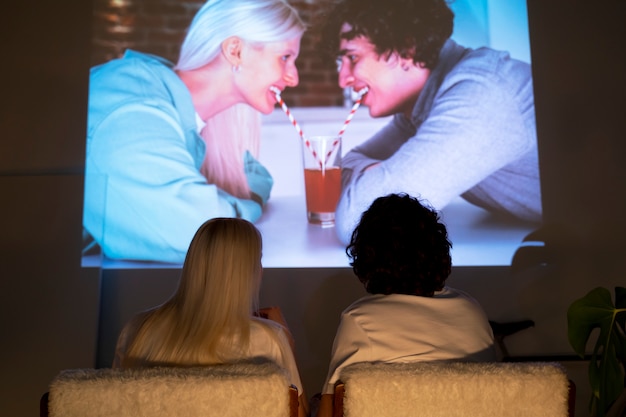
(472, 134)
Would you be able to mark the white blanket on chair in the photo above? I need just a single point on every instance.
(221, 390)
(444, 389)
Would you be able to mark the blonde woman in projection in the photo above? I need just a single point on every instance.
(213, 317)
(170, 146)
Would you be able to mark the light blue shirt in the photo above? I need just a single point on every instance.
(144, 194)
(472, 134)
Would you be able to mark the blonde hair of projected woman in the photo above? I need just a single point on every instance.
(237, 129)
(207, 320)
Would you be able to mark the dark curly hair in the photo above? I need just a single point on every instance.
(414, 29)
(400, 247)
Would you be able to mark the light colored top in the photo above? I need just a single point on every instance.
(268, 342)
(472, 134)
(407, 328)
(145, 196)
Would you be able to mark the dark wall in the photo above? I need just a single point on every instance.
(579, 64)
(49, 306)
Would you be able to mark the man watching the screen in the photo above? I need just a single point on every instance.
(400, 252)
(464, 119)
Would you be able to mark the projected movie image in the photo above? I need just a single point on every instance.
(167, 150)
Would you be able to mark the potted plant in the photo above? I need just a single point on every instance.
(607, 364)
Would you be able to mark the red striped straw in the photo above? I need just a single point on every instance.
(295, 124)
(356, 105)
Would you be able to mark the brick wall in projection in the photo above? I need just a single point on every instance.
(158, 27)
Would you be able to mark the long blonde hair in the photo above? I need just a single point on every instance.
(207, 320)
(228, 135)
(237, 129)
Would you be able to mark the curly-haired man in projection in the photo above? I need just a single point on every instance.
(463, 119)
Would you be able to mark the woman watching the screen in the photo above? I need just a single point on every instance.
(213, 316)
(170, 146)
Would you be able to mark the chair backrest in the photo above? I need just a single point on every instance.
(446, 389)
(232, 390)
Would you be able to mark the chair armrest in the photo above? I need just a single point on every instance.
(571, 398)
(43, 405)
(340, 389)
(294, 403)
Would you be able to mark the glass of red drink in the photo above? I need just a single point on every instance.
(322, 178)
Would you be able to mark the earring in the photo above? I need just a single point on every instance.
(236, 69)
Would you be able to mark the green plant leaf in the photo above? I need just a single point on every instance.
(620, 318)
(584, 315)
(606, 368)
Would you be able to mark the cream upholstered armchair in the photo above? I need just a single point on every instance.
(243, 389)
(448, 389)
